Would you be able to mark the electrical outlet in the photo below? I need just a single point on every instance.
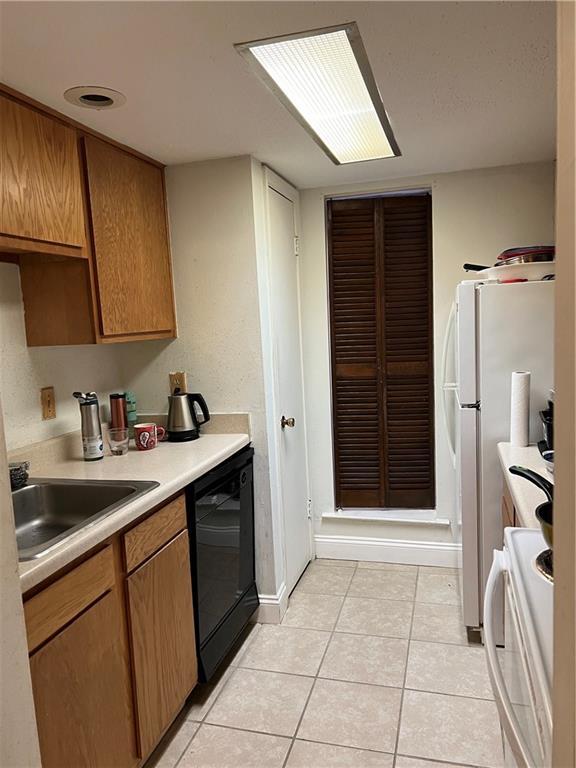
(178, 379)
(48, 401)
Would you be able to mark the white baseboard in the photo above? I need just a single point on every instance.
(273, 607)
(421, 517)
(439, 553)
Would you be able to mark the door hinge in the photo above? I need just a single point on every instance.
(309, 509)
(296, 245)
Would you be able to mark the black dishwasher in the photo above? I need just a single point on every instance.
(220, 510)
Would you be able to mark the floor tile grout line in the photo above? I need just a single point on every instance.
(433, 761)
(362, 597)
(187, 744)
(233, 669)
(318, 671)
(318, 676)
(327, 743)
(397, 741)
(398, 637)
(370, 597)
(336, 679)
(243, 729)
(361, 749)
(470, 646)
(451, 695)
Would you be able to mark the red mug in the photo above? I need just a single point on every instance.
(146, 436)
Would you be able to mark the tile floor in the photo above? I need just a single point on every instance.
(370, 667)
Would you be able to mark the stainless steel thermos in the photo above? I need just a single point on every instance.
(92, 444)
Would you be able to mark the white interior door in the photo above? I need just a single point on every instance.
(282, 205)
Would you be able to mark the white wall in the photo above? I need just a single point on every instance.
(212, 230)
(24, 370)
(476, 214)
(214, 250)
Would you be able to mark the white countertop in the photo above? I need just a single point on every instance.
(526, 495)
(173, 465)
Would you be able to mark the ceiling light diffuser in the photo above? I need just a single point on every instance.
(324, 78)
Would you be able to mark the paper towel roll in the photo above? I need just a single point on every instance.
(520, 408)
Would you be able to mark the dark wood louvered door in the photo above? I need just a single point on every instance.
(380, 272)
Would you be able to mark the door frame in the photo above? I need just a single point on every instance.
(564, 684)
(271, 179)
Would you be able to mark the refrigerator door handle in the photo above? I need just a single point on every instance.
(466, 346)
(447, 335)
(448, 386)
(508, 719)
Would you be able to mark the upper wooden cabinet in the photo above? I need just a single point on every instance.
(40, 178)
(85, 218)
(128, 219)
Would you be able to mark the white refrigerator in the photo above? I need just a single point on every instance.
(496, 328)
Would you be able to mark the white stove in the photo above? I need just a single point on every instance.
(521, 672)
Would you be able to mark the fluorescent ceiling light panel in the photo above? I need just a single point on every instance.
(324, 78)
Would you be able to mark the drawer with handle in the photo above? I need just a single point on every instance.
(56, 605)
(151, 534)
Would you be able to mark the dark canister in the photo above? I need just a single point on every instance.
(118, 413)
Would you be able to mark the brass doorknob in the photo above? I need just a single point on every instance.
(284, 422)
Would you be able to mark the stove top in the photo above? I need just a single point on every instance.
(545, 564)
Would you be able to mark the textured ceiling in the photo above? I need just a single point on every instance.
(466, 85)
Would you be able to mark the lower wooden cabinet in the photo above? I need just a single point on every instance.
(82, 693)
(162, 634)
(112, 647)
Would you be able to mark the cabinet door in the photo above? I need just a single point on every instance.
(130, 234)
(82, 693)
(163, 644)
(40, 178)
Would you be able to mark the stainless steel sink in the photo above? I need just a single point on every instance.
(48, 511)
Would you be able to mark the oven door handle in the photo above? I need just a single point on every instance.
(508, 719)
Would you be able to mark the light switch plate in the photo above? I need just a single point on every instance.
(178, 379)
(48, 401)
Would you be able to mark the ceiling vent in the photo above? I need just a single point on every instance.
(94, 97)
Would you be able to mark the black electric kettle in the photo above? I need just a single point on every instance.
(183, 422)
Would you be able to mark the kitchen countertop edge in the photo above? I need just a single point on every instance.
(526, 495)
(175, 466)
